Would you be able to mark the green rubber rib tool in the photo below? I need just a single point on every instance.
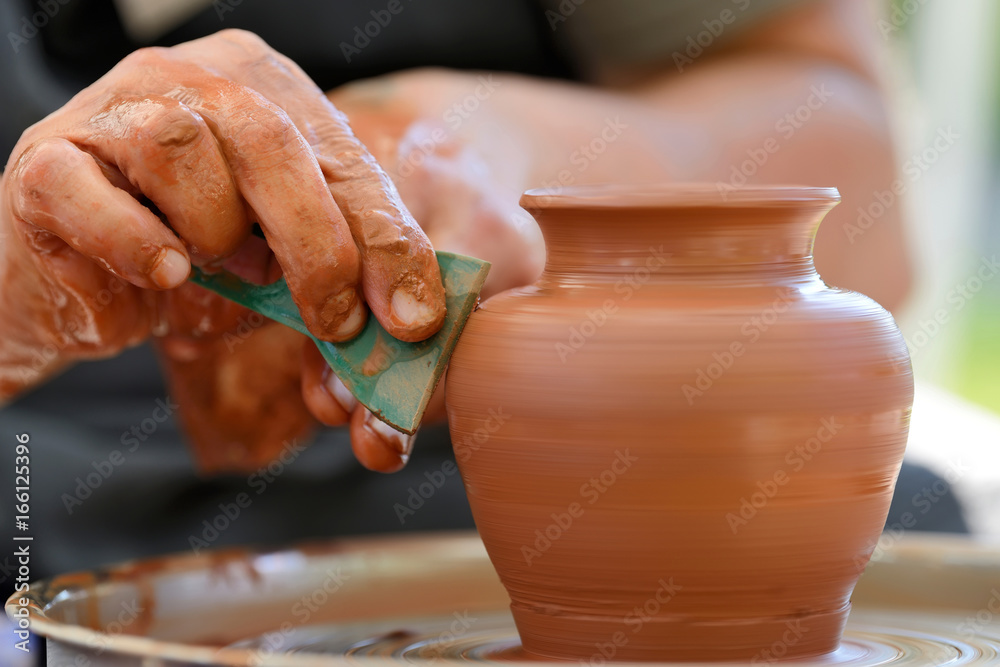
(391, 378)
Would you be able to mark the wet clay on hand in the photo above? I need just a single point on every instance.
(680, 444)
(170, 160)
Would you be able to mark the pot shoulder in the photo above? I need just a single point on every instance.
(801, 342)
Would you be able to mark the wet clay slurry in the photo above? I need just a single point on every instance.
(702, 437)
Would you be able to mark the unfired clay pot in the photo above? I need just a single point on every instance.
(680, 444)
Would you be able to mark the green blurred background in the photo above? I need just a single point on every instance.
(949, 54)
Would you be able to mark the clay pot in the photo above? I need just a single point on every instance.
(680, 444)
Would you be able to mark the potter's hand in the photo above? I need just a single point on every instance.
(464, 205)
(461, 178)
(217, 134)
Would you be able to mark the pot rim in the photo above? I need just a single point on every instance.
(676, 195)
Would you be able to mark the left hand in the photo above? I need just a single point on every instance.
(465, 201)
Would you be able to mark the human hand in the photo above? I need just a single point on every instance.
(465, 201)
(215, 135)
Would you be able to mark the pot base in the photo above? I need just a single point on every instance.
(657, 637)
(405, 600)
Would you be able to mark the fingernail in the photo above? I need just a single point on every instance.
(345, 308)
(409, 310)
(340, 392)
(171, 269)
(400, 442)
(354, 323)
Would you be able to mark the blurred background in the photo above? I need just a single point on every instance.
(946, 59)
(946, 88)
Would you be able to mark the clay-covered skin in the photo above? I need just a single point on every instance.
(680, 444)
(376, 445)
(169, 160)
(240, 398)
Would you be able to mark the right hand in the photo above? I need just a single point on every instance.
(216, 134)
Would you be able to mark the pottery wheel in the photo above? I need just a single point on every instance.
(419, 599)
(871, 639)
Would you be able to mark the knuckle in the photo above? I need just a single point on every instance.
(382, 237)
(154, 126)
(174, 127)
(268, 68)
(348, 162)
(262, 135)
(144, 57)
(39, 170)
(244, 38)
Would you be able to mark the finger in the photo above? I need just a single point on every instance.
(325, 395)
(58, 188)
(202, 317)
(277, 174)
(400, 275)
(254, 262)
(169, 153)
(376, 445)
(240, 402)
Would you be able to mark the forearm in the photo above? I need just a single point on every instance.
(528, 130)
(749, 120)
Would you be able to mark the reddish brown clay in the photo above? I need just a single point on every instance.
(680, 444)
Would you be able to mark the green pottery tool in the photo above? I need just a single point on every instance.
(391, 378)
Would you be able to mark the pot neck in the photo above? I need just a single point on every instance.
(712, 244)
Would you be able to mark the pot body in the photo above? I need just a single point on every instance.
(680, 444)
